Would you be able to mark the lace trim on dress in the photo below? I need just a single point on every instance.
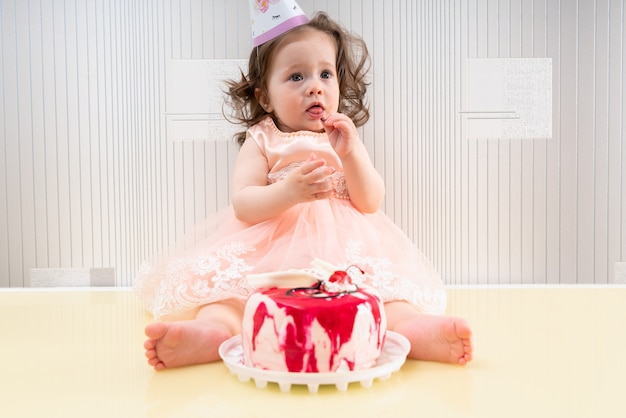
(190, 282)
(378, 274)
(337, 179)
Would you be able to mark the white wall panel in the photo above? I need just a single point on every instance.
(89, 179)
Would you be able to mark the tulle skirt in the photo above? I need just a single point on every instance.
(212, 262)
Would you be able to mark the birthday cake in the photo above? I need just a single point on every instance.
(326, 325)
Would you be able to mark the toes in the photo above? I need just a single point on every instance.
(151, 353)
(156, 330)
(156, 363)
(149, 344)
(462, 329)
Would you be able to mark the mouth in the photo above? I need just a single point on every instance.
(315, 111)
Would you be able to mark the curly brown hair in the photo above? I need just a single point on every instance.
(353, 64)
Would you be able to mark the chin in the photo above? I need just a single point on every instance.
(317, 126)
(312, 127)
(308, 125)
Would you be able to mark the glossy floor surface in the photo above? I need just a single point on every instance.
(540, 352)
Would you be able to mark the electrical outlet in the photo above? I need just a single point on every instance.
(619, 275)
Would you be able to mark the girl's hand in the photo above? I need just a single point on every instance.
(311, 181)
(342, 133)
(365, 186)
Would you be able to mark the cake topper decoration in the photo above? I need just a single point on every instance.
(340, 282)
(323, 280)
(271, 18)
(337, 285)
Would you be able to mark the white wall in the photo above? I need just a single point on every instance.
(89, 179)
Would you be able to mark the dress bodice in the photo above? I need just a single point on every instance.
(288, 150)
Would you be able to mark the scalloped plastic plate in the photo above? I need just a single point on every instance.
(393, 356)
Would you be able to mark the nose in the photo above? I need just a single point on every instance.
(315, 88)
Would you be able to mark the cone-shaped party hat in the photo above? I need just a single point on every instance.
(271, 18)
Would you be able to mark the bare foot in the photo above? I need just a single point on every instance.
(183, 343)
(437, 338)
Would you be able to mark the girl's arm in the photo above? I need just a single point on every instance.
(255, 201)
(366, 187)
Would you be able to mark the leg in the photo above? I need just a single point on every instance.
(433, 338)
(193, 341)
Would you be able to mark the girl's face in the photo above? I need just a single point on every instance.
(302, 85)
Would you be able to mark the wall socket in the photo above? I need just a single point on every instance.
(619, 275)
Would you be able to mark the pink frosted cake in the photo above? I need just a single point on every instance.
(328, 326)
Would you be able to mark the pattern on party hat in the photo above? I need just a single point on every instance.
(271, 18)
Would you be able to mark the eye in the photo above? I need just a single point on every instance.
(295, 77)
(326, 74)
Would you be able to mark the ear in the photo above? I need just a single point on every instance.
(263, 100)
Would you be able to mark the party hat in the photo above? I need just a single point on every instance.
(271, 18)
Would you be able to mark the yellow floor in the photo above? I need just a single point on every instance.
(540, 352)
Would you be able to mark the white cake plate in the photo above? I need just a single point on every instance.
(393, 356)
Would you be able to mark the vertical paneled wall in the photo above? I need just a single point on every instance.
(88, 177)
(551, 210)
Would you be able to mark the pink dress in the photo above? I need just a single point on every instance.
(214, 266)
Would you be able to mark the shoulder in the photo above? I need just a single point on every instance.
(260, 132)
(265, 126)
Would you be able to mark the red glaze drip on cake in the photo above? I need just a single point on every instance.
(329, 326)
(304, 308)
